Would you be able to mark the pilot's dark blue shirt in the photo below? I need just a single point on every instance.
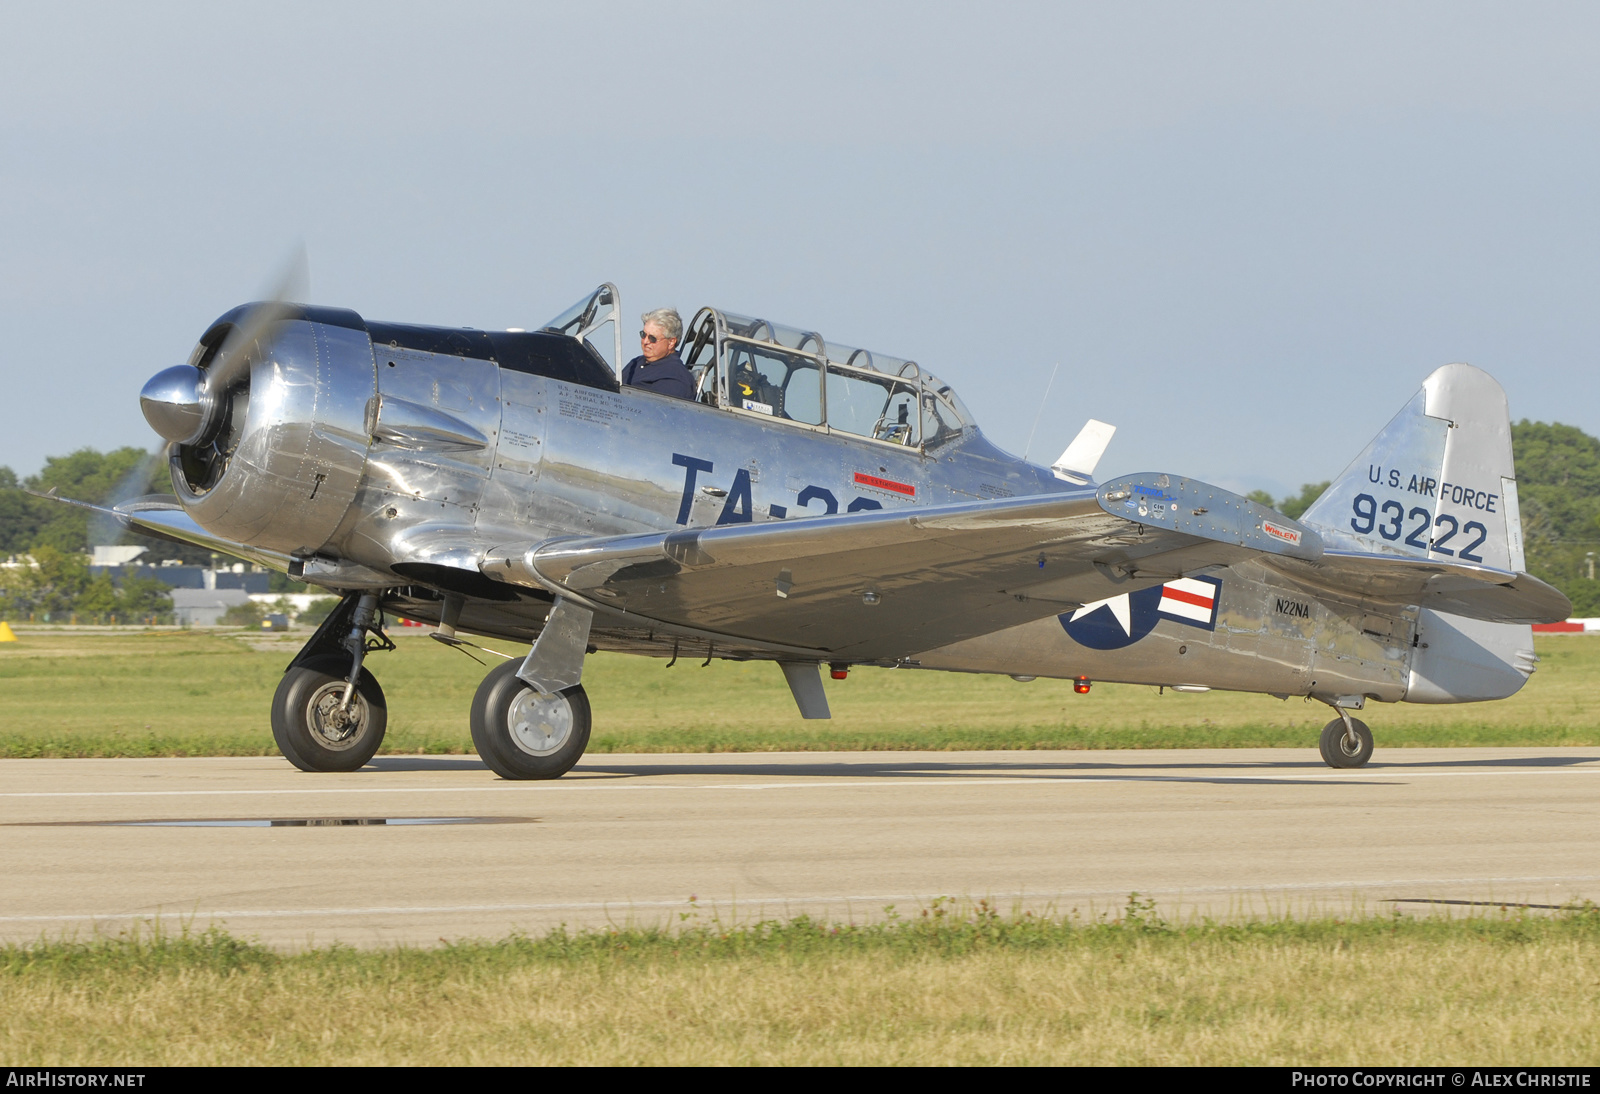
(668, 376)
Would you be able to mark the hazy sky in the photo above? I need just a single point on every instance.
(1246, 232)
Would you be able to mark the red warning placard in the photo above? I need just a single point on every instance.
(886, 484)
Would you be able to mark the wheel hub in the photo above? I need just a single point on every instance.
(540, 723)
(332, 724)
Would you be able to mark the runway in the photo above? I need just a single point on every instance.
(95, 845)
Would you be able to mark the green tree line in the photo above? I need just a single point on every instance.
(58, 537)
(1558, 486)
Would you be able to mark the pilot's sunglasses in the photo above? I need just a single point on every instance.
(652, 339)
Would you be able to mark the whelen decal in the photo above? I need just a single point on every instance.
(1122, 620)
(1280, 533)
(886, 484)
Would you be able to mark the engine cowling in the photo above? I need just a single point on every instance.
(269, 433)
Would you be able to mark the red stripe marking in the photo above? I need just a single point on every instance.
(886, 484)
(1558, 628)
(1188, 598)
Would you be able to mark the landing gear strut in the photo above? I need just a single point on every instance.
(328, 713)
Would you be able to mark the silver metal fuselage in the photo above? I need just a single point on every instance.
(368, 465)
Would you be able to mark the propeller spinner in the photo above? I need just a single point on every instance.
(173, 403)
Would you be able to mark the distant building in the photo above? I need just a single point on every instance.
(115, 556)
(118, 563)
(299, 602)
(204, 607)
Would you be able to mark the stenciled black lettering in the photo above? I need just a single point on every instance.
(738, 509)
(1423, 519)
(1455, 526)
(817, 493)
(1391, 530)
(1366, 512)
(693, 468)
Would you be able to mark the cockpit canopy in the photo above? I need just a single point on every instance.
(588, 321)
(753, 366)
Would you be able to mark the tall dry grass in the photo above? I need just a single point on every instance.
(1487, 992)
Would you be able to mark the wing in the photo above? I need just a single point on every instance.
(886, 585)
(163, 516)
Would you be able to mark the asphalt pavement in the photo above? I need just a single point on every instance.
(293, 859)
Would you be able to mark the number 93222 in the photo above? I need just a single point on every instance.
(1391, 521)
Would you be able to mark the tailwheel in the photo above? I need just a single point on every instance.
(524, 733)
(1346, 746)
(316, 728)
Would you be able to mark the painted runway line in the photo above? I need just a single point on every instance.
(825, 782)
(709, 905)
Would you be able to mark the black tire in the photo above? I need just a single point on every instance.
(522, 733)
(1335, 748)
(303, 721)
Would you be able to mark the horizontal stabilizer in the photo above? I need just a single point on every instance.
(1459, 588)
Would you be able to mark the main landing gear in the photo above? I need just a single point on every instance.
(328, 713)
(1346, 741)
(316, 728)
(530, 719)
(524, 733)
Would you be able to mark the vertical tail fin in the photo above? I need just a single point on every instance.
(1077, 463)
(1438, 482)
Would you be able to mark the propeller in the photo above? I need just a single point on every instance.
(142, 480)
(187, 404)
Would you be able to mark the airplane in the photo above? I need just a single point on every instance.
(815, 504)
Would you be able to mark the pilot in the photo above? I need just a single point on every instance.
(659, 368)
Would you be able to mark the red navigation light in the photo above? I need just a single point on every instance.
(1081, 685)
(838, 672)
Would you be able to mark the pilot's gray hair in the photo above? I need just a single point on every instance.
(667, 319)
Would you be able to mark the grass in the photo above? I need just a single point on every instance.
(948, 986)
(175, 693)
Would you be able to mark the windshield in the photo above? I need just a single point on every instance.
(596, 321)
